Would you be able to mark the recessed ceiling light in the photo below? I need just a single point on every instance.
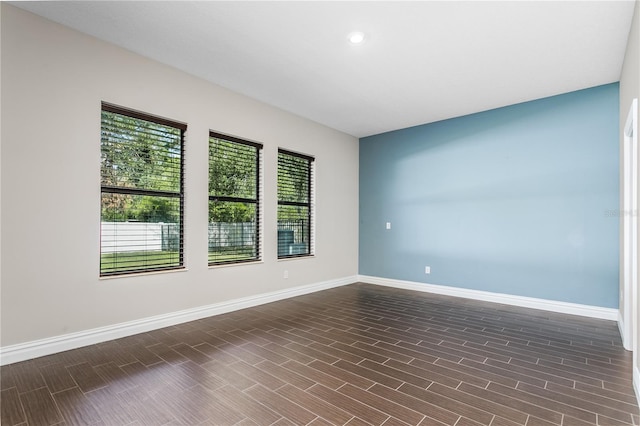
(356, 37)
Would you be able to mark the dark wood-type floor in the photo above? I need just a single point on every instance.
(355, 355)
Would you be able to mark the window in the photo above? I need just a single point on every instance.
(234, 200)
(295, 209)
(142, 195)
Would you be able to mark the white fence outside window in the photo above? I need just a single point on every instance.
(139, 236)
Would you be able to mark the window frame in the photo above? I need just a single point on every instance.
(257, 201)
(310, 204)
(114, 189)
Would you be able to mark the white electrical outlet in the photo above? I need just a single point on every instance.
(388, 225)
(286, 274)
(427, 269)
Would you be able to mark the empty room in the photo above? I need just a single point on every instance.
(319, 213)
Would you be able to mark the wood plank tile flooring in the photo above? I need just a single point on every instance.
(354, 355)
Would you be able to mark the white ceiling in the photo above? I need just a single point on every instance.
(422, 61)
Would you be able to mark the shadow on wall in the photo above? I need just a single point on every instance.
(516, 200)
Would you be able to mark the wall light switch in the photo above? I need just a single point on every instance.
(388, 225)
(427, 269)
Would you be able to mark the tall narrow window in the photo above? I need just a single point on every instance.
(234, 200)
(142, 196)
(295, 209)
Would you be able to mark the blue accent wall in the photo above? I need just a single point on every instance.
(521, 200)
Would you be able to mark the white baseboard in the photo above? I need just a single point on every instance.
(636, 382)
(48, 346)
(37, 348)
(627, 340)
(507, 299)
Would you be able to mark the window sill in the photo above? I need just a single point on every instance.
(229, 265)
(288, 259)
(143, 274)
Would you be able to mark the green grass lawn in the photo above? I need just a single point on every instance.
(236, 254)
(133, 261)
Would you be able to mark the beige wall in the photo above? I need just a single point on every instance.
(630, 89)
(53, 80)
